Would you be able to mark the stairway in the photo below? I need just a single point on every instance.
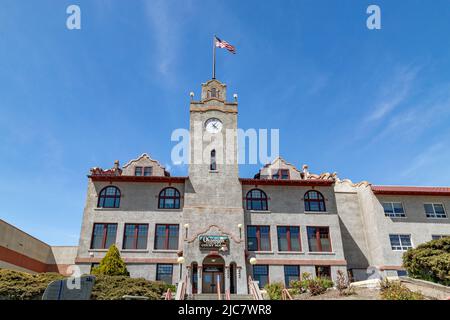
(213, 296)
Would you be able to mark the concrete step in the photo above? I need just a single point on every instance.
(213, 296)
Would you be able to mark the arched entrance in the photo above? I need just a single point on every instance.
(213, 274)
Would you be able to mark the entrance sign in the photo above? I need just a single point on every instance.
(213, 242)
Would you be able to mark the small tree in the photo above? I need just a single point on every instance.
(429, 261)
(112, 264)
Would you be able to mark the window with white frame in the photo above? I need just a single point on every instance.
(393, 209)
(400, 242)
(434, 210)
(439, 236)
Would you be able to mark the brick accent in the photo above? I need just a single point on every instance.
(302, 262)
(23, 261)
(130, 260)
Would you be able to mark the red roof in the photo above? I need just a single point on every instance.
(280, 182)
(137, 178)
(401, 190)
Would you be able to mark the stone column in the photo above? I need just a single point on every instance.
(189, 280)
(227, 277)
(199, 278)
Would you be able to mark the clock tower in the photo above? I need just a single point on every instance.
(213, 168)
(213, 195)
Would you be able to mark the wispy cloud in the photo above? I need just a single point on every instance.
(430, 167)
(425, 114)
(165, 19)
(393, 93)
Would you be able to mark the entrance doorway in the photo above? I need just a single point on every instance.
(213, 275)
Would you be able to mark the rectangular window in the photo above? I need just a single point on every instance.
(439, 236)
(323, 272)
(261, 274)
(103, 235)
(282, 174)
(258, 238)
(288, 238)
(138, 171)
(164, 273)
(166, 237)
(319, 239)
(135, 236)
(400, 242)
(393, 209)
(291, 273)
(435, 210)
(148, 171)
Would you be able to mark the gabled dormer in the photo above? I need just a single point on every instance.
(279, 169)
(144, 166)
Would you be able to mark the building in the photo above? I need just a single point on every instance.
(216, 229)
(22, 252)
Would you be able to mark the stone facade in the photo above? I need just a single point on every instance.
(354, 229)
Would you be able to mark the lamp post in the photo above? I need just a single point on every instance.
(180, 261)
(240, 230)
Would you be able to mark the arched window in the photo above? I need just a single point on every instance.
(314, 201)
(169, 198)
(256, 199)
(213, 165)
(109, 197)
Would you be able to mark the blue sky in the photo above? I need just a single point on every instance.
(371, 105)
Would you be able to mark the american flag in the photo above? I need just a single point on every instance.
(226, 45)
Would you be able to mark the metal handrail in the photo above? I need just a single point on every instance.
(254, 289)
(168, 295)
(285, 295)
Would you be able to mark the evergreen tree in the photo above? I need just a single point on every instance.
(112, 264)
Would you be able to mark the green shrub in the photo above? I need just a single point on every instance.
(115, 287)
(15, 285)
(394, 290)
(429, 261)
(274, 290)
(319, 285)
(111, 264)
(300, 286)
(314, 286)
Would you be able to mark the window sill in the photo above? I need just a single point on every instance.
(263, 252)
(134, 250)
(169, 209)
(437, 218)
(322, 253)
(259, 211)
(291, 252)
(318, 212)
(107, 209)
(98, 250)
(213, 171)
(164, 251)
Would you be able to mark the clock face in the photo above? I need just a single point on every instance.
(213, 125)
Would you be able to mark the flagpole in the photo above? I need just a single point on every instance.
(214, 58)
